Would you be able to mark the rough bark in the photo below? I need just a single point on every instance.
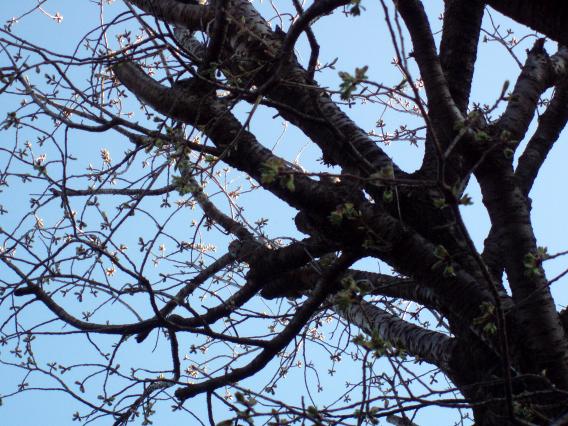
(547, 16)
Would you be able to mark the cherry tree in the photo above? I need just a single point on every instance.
(143, 270)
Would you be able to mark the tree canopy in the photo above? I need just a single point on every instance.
(195, 220)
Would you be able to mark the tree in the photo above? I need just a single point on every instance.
(106, 258)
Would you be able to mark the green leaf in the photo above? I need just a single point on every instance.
(505, 136)
(490, 328)
(269, 170)
(449, 271)
(289, 183)
(440, 203)
(349, 82)
(542, 253)
(441, 253)
(466, 200)
(481, 136)
(336, 217)
(387, 172)
(529, 261)
(356, 8)
(343, 211)
(508, 153)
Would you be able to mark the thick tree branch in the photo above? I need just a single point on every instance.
(492, 254)
(512, 241)
(442, 109)
(264, 265)
(240, 147)
(460, 293)
(185, 38)
(548, 17)
(431, 346)
(443, 115)
(400, 288)
(510, 217)
(297, 282)
(538, 74)
(194, 17)
(341, 141)
(229, 224)
(550, 124)
(302, 24)
(458, 48)
(218, 34)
